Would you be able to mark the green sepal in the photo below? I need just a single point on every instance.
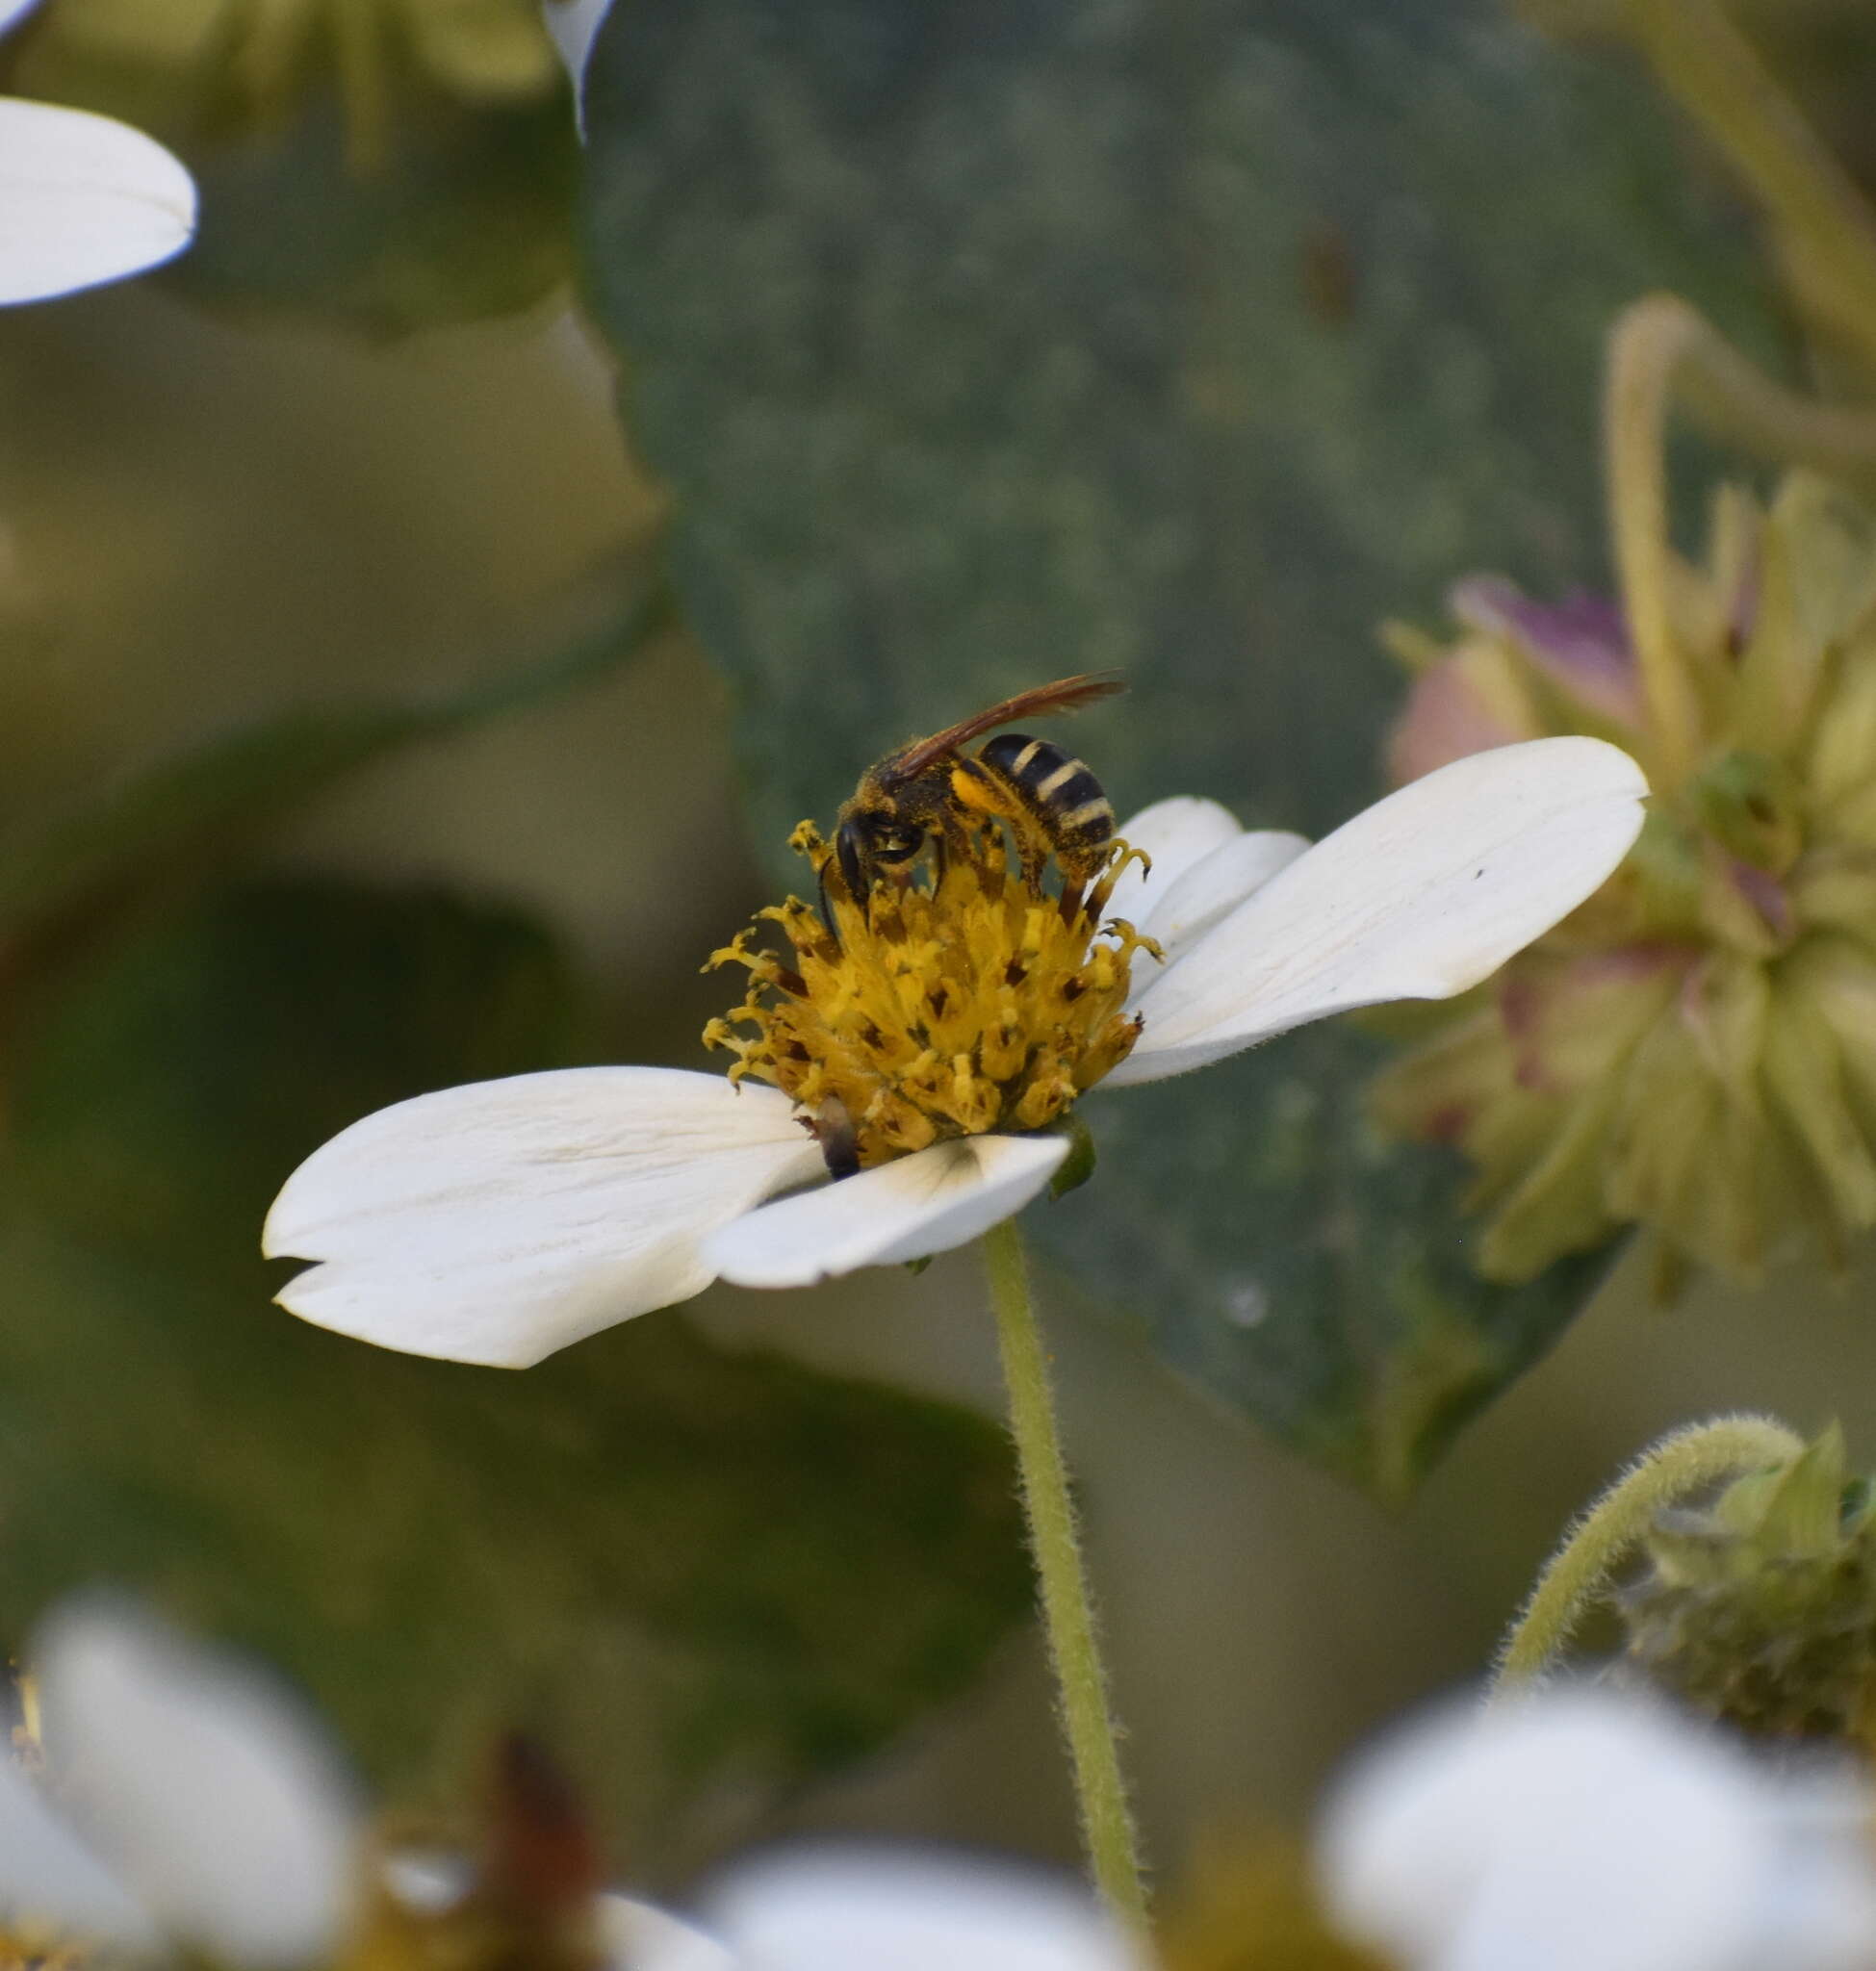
(1078, 1165)
(1760, 1610)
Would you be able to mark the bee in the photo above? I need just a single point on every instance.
(931, 791)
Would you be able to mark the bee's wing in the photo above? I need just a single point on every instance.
(1063, 695)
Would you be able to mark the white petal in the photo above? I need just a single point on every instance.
(84, 199)
(427, 1880)
(14, 12)
(502, 1220)
(640, 1937)
(1176, 832)
(572, 24)
(50, 1882)
(1419, 897)
(203, 1784)
(925, 1203)
(1211, 888)
(1578, 1829)
(868, 1910)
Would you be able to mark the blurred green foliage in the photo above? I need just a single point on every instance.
(71, 879)
(981, 346)
(709, 1577)
(392, 165)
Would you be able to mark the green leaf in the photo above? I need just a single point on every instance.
(706, 1577)
(692, 1572)
(1192, 339)
(160, 1100)
(64, 883)
(1301, 1267)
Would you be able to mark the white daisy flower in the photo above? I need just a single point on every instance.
(1581, 1827)
(186, 1801)
(188, 1804)
(84, 199)
(866, 1909)
(929, 1042)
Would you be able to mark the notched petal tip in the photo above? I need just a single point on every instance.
(497, 1223)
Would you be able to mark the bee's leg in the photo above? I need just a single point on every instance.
(1077, 865)
(832, 1128)
(1033, 850)
(951, 839)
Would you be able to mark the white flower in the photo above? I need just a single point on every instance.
(499, 1221)
(572, 24)
(844, 1909)
(82, 198)
(187, 1798)
(632, 1935)
(1583, 1828)
(871, 1909)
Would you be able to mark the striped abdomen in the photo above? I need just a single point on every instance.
(1061, 795)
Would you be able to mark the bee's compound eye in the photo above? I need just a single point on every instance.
(847, 847)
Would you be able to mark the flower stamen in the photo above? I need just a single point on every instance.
(967, 1001)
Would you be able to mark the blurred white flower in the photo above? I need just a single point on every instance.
(640, 1937)
(1583, 1828)
(631, 1936)
(499, 1221)
(84, 199)
(187, 1798)
(572, 24)
(892, 1909)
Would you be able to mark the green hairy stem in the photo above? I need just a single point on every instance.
(1602, 1537)
(1062, 1578)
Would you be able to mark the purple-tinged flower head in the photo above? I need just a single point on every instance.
(1690, 1051)
(1579, 644)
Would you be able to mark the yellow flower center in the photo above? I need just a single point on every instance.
(938, 1009)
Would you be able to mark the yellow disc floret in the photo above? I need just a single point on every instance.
(935, 1009)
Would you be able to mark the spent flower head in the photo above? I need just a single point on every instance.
(923, 1044)
(1694, 1051)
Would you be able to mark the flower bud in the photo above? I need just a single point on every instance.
(1760, 1611)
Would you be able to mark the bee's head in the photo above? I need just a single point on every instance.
(871, 839)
